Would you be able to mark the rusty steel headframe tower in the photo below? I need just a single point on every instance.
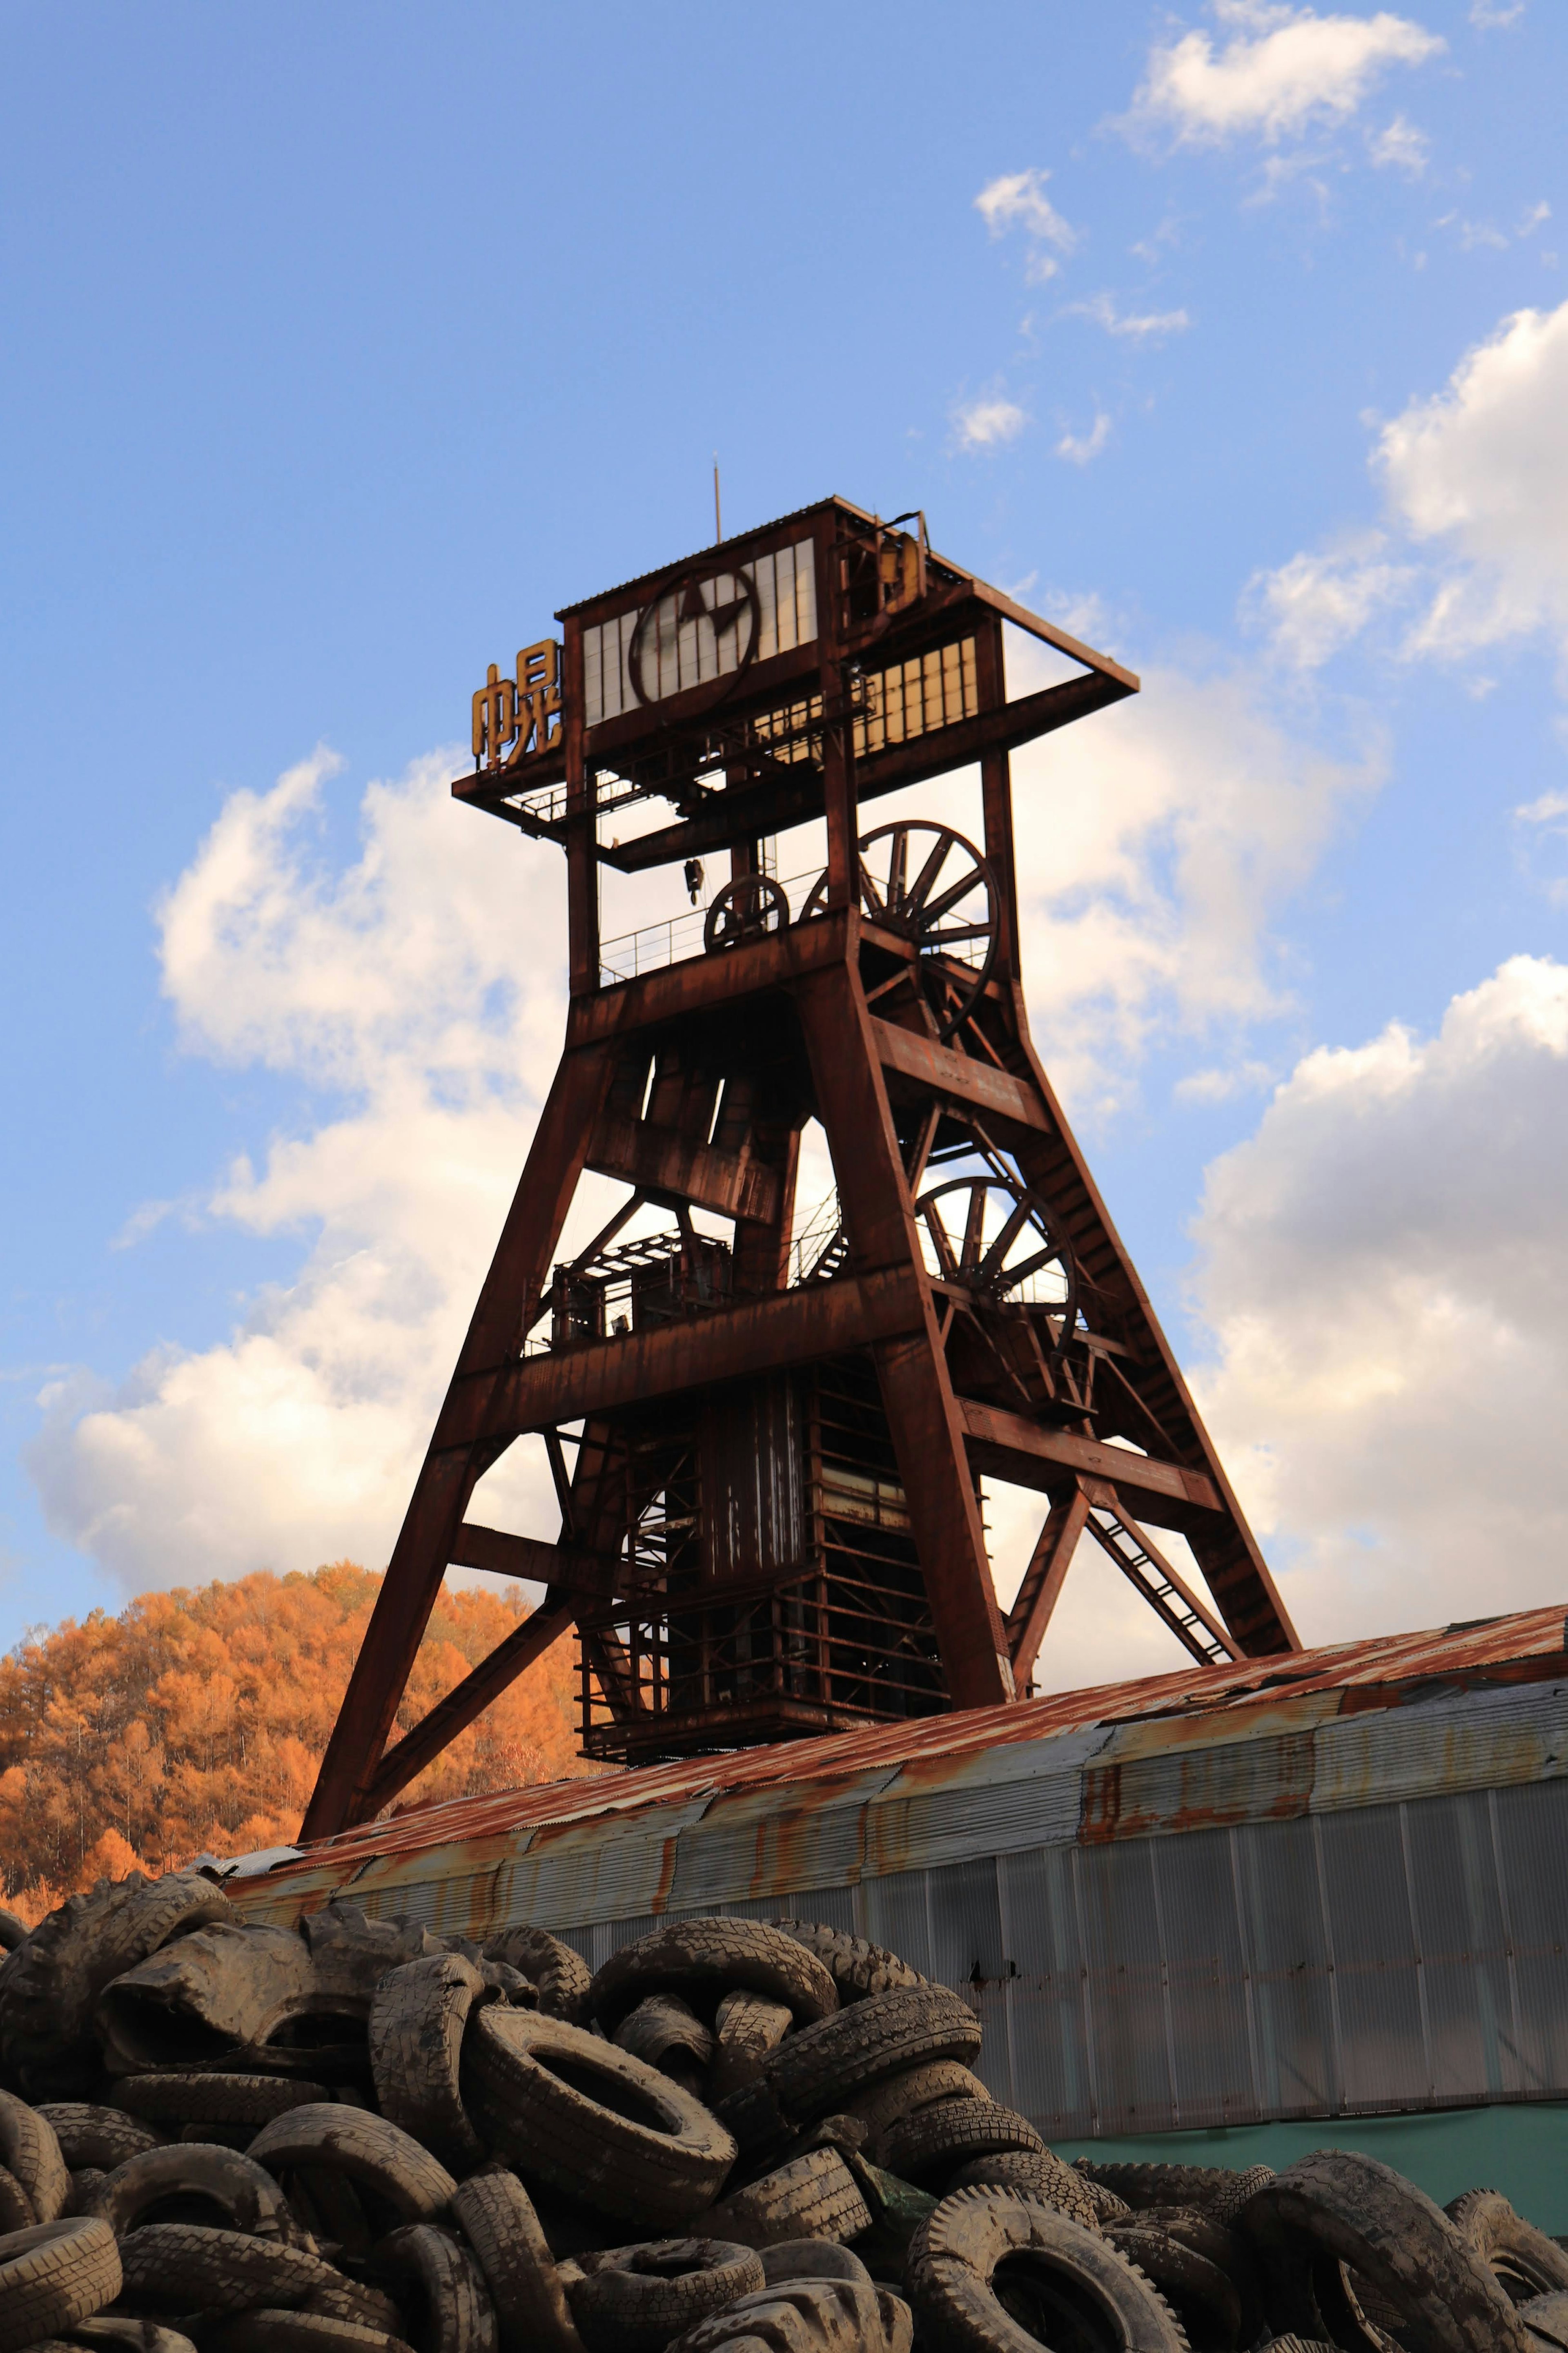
(767, 1444)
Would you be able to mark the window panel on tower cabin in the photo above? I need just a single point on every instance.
(677, 654)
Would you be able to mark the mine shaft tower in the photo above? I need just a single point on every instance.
(767, 1444)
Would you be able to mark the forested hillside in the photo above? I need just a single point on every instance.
(196, 1720)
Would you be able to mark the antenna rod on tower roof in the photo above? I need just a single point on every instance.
(718, 518)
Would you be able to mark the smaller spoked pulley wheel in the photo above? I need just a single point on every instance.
(927, 885)
(750, 908)
(995, 1244)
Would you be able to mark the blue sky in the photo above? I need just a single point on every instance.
(343, 346)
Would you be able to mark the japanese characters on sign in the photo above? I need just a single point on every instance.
(517, 718)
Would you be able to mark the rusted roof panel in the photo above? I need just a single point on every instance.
(1255, 1740)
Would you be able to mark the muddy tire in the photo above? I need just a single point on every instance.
(188, 2267)
(857, 1968)
(746, 2027)
(119, 2328)
(17, 2211)
(1206, 2189)
(177, 2100)
(240, 2195)
(813, 2197)
(1203, 2297)
(560, 1977)
(1338, 2208)
(703, 1959)
(93, 2136)
(812, 2259)
(456, 2311)
(906, 2093)
(298, 2332)
(417, 2020)
(13, 1932)
(1043, 2177)
(667, 2032)
(1546, 2319)
(636, 2299)
(925, 2148)
(375, 2154)
(805, 2316)
(985, 2258)
(824, 2067)
(591, 2120)
(52, 1983)
(31, 2153)
(53, 2275)
(1526, 2262)
(496, 2215)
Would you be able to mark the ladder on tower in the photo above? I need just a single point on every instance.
(1162, 1586)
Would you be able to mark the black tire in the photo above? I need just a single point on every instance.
(1043, 2177)
(1203, 2297)
(202, 2099)
(667, 2032)
(1546, 2319)
(187, 2267)
(496, 2215)
(375, 2154)
(823, 2067)
(639, 2299)
(353, 2299)
(52, 1983)
(457, 2315)
(746, 2027)
(1204, 2189)
(135, 2335)
(702, 1959)
(560, 1977)
(1526, 2262)
(857, 1968)
(13, 1933)
(417, 2020)
(1051, 2270)
(807, 2316)
(1339, 2208)
(17, 2211)
(206, 2182)
(813, 2197)
(907, 2093)
(52, 2277)
(812, 2259)
(298, 2332)
(925, 2148)
(90, 2134)
(29, 2150)
(87, 2180)
(591, 2120)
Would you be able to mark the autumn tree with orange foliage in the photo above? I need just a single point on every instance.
(196, 1720)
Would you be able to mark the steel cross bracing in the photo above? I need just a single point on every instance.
(768, 1460)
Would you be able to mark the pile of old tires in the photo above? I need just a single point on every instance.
(738, 2137)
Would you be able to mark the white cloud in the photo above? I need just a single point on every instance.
(1479, 473)
(1141, 326)
(1082, 448)
(1488, 15)
(1282, 69)
(1402, 146)
(1158, 842)
(1222, 1084)
(1314, 605)
(1018, 200)
(1384, 1266)
(418, 993)
(987, 424)
(1533, 219)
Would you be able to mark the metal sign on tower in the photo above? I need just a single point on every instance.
(767, 1436)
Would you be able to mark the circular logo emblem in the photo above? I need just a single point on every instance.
(702, 631)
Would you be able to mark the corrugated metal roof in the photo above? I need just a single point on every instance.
(1252, 1740)
(706, 555)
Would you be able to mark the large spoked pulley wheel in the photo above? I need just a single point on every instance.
(996, 1243)
(929, 885)
(749, 908)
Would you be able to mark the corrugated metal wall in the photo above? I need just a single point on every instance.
(1162, 1927)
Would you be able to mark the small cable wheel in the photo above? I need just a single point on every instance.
(997, 1240)
(927, 883)
(751, 907)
